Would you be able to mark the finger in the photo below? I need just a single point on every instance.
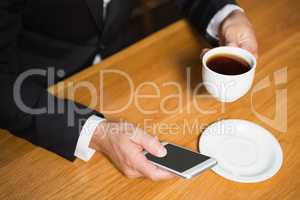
(204, 52)
(231, 44)
(249, 45)
(149, 170)
(130, 173)
(230, 39)
(164, 174)
(149, 143)
(124, 157)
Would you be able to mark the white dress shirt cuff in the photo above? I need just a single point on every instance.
(83, 151)
(216, 21)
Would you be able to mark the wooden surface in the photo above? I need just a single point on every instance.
(29, 172)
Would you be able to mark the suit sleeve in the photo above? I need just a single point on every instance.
(200, 12)
(57, 131)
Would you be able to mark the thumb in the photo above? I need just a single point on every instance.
(149, 143)
(204, 52)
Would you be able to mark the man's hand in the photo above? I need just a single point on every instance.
(236, 30)
(124, 143)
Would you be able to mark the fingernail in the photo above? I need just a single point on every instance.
(162, 152)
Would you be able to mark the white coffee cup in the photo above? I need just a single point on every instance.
(228, 88)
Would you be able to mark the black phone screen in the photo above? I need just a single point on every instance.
(178, 159)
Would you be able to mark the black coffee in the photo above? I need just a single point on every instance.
(228, 64)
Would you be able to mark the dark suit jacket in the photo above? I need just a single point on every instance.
(64, 34)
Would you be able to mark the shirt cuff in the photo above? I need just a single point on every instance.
(83, 151)
(97, 59)
(215, 22)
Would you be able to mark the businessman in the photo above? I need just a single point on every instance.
(70, 35)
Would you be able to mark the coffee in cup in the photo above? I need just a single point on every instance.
(228, 72)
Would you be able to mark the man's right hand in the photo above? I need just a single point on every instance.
(124, 144)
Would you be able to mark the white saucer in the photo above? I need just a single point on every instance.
(245, 152)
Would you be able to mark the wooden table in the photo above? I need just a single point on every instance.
(29, 172)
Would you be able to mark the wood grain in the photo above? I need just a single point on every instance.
(29, 172)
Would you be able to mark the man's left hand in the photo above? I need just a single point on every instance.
(236, 30)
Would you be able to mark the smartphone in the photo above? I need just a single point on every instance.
(181, 161)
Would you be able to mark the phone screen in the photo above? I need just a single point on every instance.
(178, 159)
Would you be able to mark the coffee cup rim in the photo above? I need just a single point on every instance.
(235, 51)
